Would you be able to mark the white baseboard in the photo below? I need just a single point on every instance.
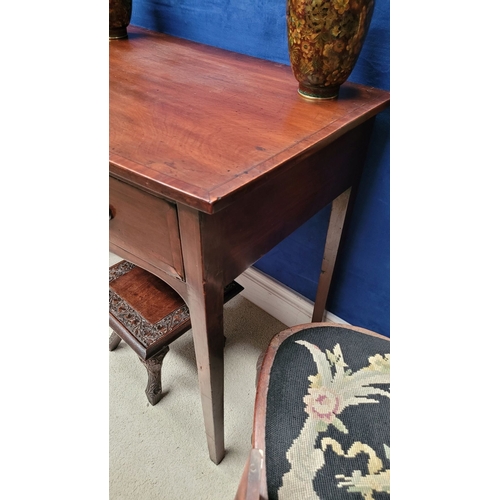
(278, 300)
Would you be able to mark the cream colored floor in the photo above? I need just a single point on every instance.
(160, 452)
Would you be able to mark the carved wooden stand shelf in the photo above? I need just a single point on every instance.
(148, 315)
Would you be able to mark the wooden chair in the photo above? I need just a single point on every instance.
(321, 417)
(148, 315)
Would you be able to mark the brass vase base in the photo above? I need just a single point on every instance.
(117, 33)
(320, 93)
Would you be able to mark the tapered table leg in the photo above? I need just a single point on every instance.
(209, 349)
(205, 302)
(335, 227)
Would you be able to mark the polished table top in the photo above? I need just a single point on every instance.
(205, 122)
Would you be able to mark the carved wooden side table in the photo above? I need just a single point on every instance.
(148, 315)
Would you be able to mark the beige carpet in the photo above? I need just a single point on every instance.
(160, 452)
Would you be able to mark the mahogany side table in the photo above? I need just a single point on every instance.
(215, 159)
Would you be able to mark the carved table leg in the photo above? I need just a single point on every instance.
(114, 340)
(153, 366)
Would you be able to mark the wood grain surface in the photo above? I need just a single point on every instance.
(195, 123)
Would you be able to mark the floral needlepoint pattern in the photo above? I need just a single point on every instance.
(331, 391)
(322, 404)
(377, 479)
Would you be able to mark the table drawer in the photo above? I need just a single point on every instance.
(146, 226)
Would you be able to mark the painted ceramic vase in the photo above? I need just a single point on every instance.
(120, 12)
(325, 38)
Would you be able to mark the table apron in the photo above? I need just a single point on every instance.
(261, 218)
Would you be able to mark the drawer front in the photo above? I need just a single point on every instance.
(146, 226)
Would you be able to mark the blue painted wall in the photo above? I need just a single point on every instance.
(360, 293)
